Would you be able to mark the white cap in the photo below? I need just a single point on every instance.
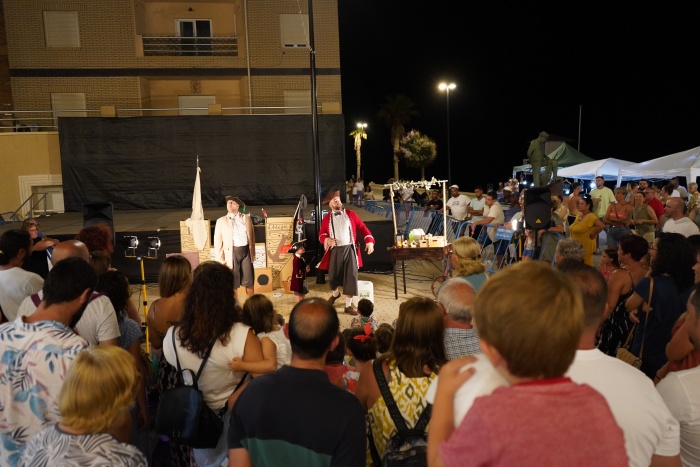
(454, 186)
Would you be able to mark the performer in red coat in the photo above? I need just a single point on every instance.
(342, 256)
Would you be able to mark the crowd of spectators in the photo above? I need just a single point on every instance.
(514, 367)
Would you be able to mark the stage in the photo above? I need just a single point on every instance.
(165, 224)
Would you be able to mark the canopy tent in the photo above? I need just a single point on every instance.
(681, 164)
(606, 168)
(565, 156)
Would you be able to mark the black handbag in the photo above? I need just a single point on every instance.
(182, 414)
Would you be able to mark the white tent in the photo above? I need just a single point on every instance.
(681, 164)
(606, 168)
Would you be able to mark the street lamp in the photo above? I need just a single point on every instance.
(447, 88)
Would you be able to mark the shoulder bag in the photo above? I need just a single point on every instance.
(408, 447)
(182, 414)
(624, 354)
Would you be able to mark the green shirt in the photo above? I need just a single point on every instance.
(606, 196)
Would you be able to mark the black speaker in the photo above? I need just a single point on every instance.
(99, 213)
(538, 208)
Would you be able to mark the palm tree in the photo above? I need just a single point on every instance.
(396, 111)
(359, 134)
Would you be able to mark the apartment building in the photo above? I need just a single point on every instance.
(174, 57)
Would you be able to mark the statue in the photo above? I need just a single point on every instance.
(537, 159)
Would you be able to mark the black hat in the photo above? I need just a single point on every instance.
(296, 245)
(238, 200)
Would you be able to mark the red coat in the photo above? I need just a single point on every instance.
(356, 224)
(298, 274)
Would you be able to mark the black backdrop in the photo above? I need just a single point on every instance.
(150, 162)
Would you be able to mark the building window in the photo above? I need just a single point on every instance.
(62, 102)
(293, 29)
(297, 102)
(195, 36)
(195, 105)
(61, 29)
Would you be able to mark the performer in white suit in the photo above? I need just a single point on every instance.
(234, 243)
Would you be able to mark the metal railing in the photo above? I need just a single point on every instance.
(190, 46)
(47, 120)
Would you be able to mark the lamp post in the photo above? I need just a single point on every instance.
(447, 88)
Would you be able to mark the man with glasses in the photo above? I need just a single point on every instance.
(656, 204)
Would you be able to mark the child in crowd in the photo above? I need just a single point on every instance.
(542, 414)
(101, 262)
(362, 346)
(299, 271)
(335, 363)
(259, 313)
(366, 308)
(384, 335)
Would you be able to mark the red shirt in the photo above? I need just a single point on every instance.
(657, 206)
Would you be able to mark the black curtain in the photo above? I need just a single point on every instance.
(150, 162)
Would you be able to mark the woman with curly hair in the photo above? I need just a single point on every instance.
(94, 405)
(672, 274)
(97, 237)
(211, 324)
(465, 259)
(417, 353)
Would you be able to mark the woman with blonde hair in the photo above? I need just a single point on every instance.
(466, 263)
(417, 353)
(94, 404)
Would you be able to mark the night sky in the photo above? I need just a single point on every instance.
(633, 72)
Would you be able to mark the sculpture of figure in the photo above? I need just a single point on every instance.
(537, 158)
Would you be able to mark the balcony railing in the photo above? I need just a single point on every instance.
(189, 46)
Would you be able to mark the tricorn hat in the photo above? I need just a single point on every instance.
(295, 246)
(330, 196)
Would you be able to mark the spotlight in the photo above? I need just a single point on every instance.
(131, 243)
(153, 246)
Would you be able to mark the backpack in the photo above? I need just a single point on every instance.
(182, 414)
(408, 447)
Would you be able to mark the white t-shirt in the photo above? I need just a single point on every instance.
(217, 381)
(98, 324)
(683, 226)
(282, 344)
(458, 206)
(495, 211)
(679, 389)
(360, 186)
(15, 285)
(482, 383)
(638, 408)
(477, 204)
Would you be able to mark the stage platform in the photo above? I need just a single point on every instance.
(166, 225)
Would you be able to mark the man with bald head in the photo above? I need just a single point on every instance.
(677, 221)
(98, 324)
(265, 428)
(70, 249)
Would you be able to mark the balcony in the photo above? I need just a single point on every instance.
(174, 46)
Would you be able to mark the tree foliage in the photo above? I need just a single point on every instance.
(417, 149)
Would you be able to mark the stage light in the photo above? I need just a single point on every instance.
(593, 185)
(153, 246)
(131, 242)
